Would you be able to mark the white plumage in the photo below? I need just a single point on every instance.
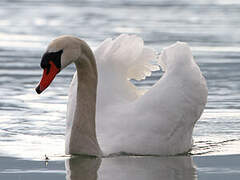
(161, 121)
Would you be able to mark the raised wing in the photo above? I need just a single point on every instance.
(118, 61)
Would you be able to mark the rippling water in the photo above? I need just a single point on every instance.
(33, 125)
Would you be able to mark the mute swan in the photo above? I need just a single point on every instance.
(160, 122)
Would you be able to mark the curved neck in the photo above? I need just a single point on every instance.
(83, 132)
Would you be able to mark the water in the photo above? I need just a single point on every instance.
(134, 168)
(33, 125)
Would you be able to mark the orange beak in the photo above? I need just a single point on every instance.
(47, 77)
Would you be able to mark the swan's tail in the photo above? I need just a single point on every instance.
(175, 56)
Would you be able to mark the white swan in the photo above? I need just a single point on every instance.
(160, 122)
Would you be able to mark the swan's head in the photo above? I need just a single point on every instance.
(61, 52)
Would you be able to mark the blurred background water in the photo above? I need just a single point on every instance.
(33, 125)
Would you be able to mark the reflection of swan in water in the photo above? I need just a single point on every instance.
(134, 168)
(82, 168)
(160, 122)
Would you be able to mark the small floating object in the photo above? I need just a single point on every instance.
(46, 160)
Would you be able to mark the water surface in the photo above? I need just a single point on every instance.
(33, 125)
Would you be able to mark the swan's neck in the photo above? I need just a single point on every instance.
(83, 132)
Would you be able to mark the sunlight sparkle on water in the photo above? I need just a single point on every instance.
(33, 147)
